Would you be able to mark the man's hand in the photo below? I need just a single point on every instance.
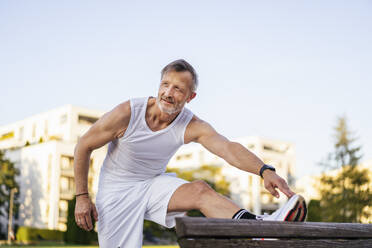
(273, 181)
(83, 210)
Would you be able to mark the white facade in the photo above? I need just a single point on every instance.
(246, 189)
(42, 147)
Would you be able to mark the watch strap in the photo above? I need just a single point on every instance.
(264, 167)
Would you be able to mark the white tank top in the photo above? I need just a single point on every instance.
(142, 153)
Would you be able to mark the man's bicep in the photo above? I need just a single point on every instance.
(212, 140)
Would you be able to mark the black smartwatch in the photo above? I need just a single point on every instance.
(264, 167)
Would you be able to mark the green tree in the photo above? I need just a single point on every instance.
(74, 234)
(344, 188)
(314, 211)
(8, 173)
(211, 175)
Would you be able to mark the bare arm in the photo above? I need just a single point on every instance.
(234, 153)
(110, 126)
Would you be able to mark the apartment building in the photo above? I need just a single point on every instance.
(42, 146)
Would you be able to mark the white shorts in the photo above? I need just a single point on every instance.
(123, 206)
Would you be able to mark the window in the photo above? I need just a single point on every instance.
(63, 205)
(250, 181)
(46, 128)
(67, 162)
(268, 148)
(87, 119)
(62, 213)
(63, 210)
(184, 156)
(66, 184)
(50, 159)
(20, 137)
(47, 210)
(272, 148)
(33, 130)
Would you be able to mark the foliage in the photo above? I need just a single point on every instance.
(74, 234)
(8, 174)
(314, 211)
(25, 234)
(210, 174)
(346, 193)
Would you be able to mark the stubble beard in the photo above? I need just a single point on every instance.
(168, 110)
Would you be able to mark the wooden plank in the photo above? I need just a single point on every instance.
(211, 227)
(242, 243)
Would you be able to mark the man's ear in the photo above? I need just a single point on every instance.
(192, 96)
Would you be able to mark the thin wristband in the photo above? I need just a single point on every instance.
(82, 194)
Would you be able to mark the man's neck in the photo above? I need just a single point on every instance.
(156, 119)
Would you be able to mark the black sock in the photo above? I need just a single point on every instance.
(243, 214)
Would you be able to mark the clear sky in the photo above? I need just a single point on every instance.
(277, 69)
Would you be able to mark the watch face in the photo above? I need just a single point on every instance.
(266, 166)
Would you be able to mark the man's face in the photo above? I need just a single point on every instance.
(174, 91)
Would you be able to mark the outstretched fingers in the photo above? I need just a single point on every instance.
(283, 187)
(271, 188)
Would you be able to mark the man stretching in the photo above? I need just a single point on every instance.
(143, 134)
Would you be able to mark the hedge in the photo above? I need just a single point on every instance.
(25, 234)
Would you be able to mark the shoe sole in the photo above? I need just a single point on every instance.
(305, 212)
(294, 213)
(301, 212)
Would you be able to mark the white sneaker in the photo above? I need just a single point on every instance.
(294, 210)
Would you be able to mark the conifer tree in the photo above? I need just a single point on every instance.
(344, 186)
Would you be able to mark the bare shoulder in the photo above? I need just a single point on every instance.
(196, 128)
(119, 112)
(116, 120)
(197, 123)
(122, 110)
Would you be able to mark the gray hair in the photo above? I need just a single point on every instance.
(179, 66)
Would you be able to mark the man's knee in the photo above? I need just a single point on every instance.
(202, 190)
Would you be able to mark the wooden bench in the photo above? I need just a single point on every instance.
(199, 232)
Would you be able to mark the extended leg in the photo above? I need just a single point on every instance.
(199, 195)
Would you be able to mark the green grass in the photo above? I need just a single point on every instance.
(78, 246)
(48, 244)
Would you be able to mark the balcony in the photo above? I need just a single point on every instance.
(66, 194)
(68, 172)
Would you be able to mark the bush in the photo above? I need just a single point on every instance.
(74, 234)
(314, 211)
(25, 234)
